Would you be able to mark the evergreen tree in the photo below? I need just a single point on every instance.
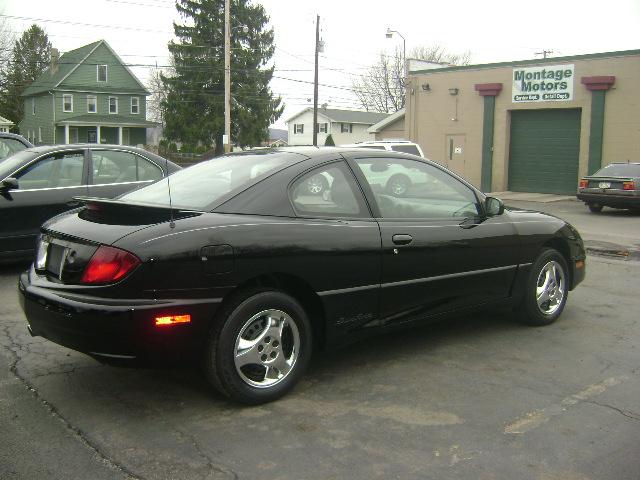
(29, 58)
(329, 141)
(194, 105)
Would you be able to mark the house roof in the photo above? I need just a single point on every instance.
(346, 116)
(4, 121)
(386, 121)
(106, 120)
(67, 64)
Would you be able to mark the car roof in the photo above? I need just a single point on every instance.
(74, 146)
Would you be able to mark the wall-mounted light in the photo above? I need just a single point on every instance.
(426, 87)
(453, 91)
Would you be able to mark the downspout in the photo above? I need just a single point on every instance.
(53, 105)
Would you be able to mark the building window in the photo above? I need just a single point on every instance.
(113, 104)
(322, 127)
(102, 73)
(298, 128)
(346, 128)
(135, 105)
(92, 104)
(33, 106)
(67, 102)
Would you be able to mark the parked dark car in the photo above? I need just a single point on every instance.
(617, 186)
(251, 271)
(11, 143)
(39, 183)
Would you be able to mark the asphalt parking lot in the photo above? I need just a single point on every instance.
(477, 397)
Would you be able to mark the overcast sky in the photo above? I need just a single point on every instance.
(353, 32)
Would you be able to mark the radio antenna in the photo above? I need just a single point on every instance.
(172, 223)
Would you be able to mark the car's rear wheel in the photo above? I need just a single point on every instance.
(259, 347)
(546, 290)
(398, 185)
(594, 207)
(317, 184)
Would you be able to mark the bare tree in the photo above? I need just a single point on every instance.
(158, 91)
(382, 87)
(7, 39)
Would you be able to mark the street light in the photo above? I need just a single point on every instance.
(389, 34)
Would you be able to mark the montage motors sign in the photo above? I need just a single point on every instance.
(550, 83)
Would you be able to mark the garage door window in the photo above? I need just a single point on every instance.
(413, 189)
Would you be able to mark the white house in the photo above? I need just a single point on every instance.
(345, 126)
(5, 124)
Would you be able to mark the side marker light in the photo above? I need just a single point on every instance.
(172, 320)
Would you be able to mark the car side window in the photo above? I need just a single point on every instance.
(59, 170)
(327, 191)
(114, 166)
(405, 188)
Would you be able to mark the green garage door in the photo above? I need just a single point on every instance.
(543, 156)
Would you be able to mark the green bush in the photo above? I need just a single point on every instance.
(329, 141)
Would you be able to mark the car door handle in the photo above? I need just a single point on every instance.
(402, 239)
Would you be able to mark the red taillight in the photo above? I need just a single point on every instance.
(628, 185)
(172, 320)
(108, 265)
(583, 184)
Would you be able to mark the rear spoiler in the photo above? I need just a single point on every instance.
(125, 210)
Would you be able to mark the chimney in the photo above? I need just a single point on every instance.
(55, 56)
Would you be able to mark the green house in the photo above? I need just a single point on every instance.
(88, 95)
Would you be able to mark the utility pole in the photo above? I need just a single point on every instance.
(315, 86)
(227, 78)
(544, 53)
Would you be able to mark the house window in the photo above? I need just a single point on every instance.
(346, 128)
(113, 104)
(102, 73)
(33, 106)
(135, 105)
(298, 128)
(322, 127)
(67, 102)
(92, 104)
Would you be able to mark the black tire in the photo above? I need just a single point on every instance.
(536, 311)
(398, 185)
(316, 185)
(246, 317)
(594, 207)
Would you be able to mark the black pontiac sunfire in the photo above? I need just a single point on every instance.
(249, 266)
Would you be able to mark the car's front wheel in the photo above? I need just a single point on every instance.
(546, 290)
(259, 347)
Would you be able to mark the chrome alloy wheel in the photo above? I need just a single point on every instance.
(550, 288)
(315, 185)
(267, 348)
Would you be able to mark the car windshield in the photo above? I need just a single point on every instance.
(9, 146)
(199, 186)
(619, 170)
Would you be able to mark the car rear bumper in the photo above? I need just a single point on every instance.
(631, 200)
(113, 330)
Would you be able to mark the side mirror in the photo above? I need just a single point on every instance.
(10, 183)
(493, 207)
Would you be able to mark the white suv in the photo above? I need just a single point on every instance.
(393, 145)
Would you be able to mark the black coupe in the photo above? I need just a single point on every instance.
(40, 182)
(238, 261)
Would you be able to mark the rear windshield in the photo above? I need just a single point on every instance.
(412, 149)
(201, 185)
(619, 170)
(9, 146)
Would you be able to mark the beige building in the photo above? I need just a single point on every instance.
(533, 126)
